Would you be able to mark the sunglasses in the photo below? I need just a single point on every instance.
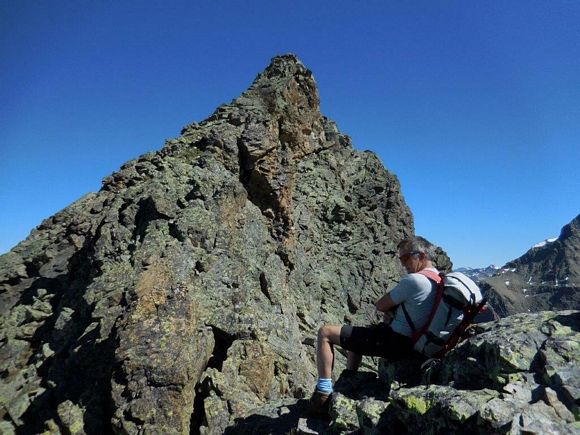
(408, 255)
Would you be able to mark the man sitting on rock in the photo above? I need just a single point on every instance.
(390, 339)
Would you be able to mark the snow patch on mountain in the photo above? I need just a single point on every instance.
(478, 273)
(544, 243)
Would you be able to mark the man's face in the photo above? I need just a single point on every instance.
(412, 261)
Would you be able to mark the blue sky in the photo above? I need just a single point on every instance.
(475, 106)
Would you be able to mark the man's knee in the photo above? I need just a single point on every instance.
(330, 333)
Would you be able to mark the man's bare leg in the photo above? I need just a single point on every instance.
(328, 336)
(353, 360)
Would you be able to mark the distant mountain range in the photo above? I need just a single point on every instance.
(477, 274)
(547, 277)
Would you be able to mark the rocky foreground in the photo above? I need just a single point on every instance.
(185, 295)
(518, 375)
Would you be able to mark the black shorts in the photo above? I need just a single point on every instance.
(377, 340)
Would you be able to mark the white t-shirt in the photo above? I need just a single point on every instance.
(418, 293)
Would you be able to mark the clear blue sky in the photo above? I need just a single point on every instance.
(474, 105)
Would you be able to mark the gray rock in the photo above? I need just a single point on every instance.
(7, 428)
(370, 412)
(71, 418)
(194, 281)
(343, 414)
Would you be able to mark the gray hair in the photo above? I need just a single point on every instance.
(418, 244)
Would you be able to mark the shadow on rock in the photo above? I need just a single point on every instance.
(286, 418)
(359, 385)
(280, 420)
(572, 320)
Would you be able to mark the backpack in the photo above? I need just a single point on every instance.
(457, 302)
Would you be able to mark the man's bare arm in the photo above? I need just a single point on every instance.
(385, 303)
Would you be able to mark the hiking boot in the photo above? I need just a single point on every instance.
(319, 404)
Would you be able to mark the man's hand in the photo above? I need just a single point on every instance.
(388, 317)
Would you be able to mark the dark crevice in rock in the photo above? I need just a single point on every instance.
(10, 282)
(198, 419)
(194, 194)
(175, 232)
(33, 267)
(200, 267)
(538, 367)
(352, 307)
(132, 419)
(259, 191)
(285, 257)
(147, 213)
(223, 341)
(537, 393)
(264, 286)
(263, 194)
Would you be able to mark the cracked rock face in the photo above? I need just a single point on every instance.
(187, 292)
(547, 277)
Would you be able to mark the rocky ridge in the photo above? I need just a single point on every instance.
(188, 290)
(547, 277)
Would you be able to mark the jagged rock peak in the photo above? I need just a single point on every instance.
(280, 110)
(286, 76)
(281, 70)
(562, 250)
(187, 292)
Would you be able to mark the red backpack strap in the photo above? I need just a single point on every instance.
(433, 276)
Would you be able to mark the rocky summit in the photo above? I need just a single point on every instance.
(188, 291)
(547, 277)
(185, 295)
